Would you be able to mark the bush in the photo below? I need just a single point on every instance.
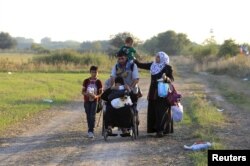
(228, 49)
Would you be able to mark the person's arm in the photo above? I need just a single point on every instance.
(105, 94)
(100, 89)
(168, 74)
(84, 89)
(135, 76)
(143, 65)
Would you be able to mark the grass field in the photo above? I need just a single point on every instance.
(23, 94)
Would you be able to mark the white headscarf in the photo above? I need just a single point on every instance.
(155, 68)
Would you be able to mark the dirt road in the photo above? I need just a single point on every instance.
(58, 137)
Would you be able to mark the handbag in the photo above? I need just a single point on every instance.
(162, 89)
(173, 97)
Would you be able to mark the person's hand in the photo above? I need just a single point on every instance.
(92, 95)
(164, 77)
(168, 80)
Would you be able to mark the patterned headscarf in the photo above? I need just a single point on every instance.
(155, 68)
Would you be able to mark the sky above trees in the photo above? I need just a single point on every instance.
(85, 20)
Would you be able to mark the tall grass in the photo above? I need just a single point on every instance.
(238, 66)
(59, 61)
(22, 94)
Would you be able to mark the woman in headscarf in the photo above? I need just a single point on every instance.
(159, 110)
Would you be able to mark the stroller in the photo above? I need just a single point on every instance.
(121, 114)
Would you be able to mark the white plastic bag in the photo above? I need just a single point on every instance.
(198, 146)
(177, 112)
(120, 102)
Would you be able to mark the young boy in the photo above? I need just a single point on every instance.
(128, 49)
(92, 90)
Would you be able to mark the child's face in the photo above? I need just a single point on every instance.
(93, 73)
(130, 44)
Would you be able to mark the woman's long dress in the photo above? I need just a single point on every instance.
(159, 110)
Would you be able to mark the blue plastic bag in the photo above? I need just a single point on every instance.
(162, 89)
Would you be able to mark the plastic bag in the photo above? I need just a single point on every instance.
(162, 89)
(198, 146)
(121, 102)
(177, 112)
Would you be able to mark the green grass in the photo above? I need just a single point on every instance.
(239, 98)
(22, 94)
(203, 119)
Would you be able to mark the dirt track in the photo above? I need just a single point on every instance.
(58, 137)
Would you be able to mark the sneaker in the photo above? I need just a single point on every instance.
(90, 134)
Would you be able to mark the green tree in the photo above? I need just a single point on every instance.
(228, 48)
(169, 41)
(39, 49)
(6, 41)
(151, 45)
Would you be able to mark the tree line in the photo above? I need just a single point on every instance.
(171, 42)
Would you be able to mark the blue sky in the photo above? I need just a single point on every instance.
(89, 20)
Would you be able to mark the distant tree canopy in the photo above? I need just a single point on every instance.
(6, 41)
(23, 43)
(95, 46)
(170, 42)
(229, 48)
(39, 49)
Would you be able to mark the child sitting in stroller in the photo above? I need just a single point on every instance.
(119, 104)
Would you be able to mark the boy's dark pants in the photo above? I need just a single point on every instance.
(90, 109)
